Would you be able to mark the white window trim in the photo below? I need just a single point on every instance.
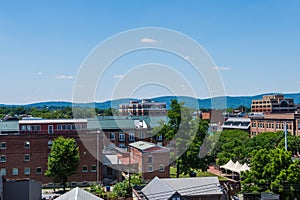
(163, 168)
(131, 137)
(27, 160)
(112, 134)
(151, 168)
(37, 171)
(3, 143)
(121, 137)
(3, 156)
(87, 169)
(28, 172)
(149, 156)
(92, 170)
(17, 170)
(27, 143)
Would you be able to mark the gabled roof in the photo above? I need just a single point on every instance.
(186, 187)
(78, 194)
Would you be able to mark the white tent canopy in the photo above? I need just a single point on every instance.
(235, 167)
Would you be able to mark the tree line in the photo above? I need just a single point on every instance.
(55, 112)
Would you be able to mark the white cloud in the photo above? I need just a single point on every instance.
(118, 76)
(39, 73)
(61, 77)
(148, 40)
(222, 68)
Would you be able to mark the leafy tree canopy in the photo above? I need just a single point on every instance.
(63, 160)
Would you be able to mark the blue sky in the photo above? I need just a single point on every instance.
(255, 44)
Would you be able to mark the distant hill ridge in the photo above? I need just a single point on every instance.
(231, 101)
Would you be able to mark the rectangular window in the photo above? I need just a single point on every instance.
(112, 136)
(298, 125)
(69, 127)
(161, 168)
(149, 160)
(39, 170)
(141, 135)
(3, 171)
(150, 168)
(23, 128)
(159, 137)
(122, 145)
(93, 168)
(50, 129)
(26, 170)
(26, 144)
(131, 137)
(3, 158)
(85, 168)
(73, 127)
(26, 157)
(49, 144)
(15, 171)
(63, 127)
(59, 127)
(3, 145)
(276, 126)
(121, 137)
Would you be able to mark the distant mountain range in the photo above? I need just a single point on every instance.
(231, 101)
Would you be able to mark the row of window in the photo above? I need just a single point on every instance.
(131, 136)
(71, 127)
(26, 158)
(26, 144)
(15, 171)
(161, 168)
(59, 127)
(271, 125)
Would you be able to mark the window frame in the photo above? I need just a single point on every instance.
(3, 158)
(5, 145)
(28, 157)
(84, 171)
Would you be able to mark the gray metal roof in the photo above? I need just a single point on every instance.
(109, 124)
(9, 126)
(78, 194)
(197, 186)
(142, 145)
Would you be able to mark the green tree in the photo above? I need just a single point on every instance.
(273, 171)
(231, 145)
(293, 144)
(186, 135)
(63, 160)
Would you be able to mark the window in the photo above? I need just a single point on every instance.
(112, 136)
(59, 127)
(161, 168)
(23, 128)
(277, 126)
(27, 157)
(15, 171)
(149, 159)
(69, 126)
(159, 137)
(93, 168)
(3, 145)
(3, 171)
(141, 135)
(39, 170)
(26, 144)
(26, 170)
(121, 137)
(150, 168)
(122, 145)
(3, 158)
(84, 168)
(50, 129)
(49, 143)
(131, 136)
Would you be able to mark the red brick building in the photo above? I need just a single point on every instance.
(25, 154)
(153, 160)
(146, 107)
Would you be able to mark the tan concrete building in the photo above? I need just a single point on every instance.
(273, 104)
